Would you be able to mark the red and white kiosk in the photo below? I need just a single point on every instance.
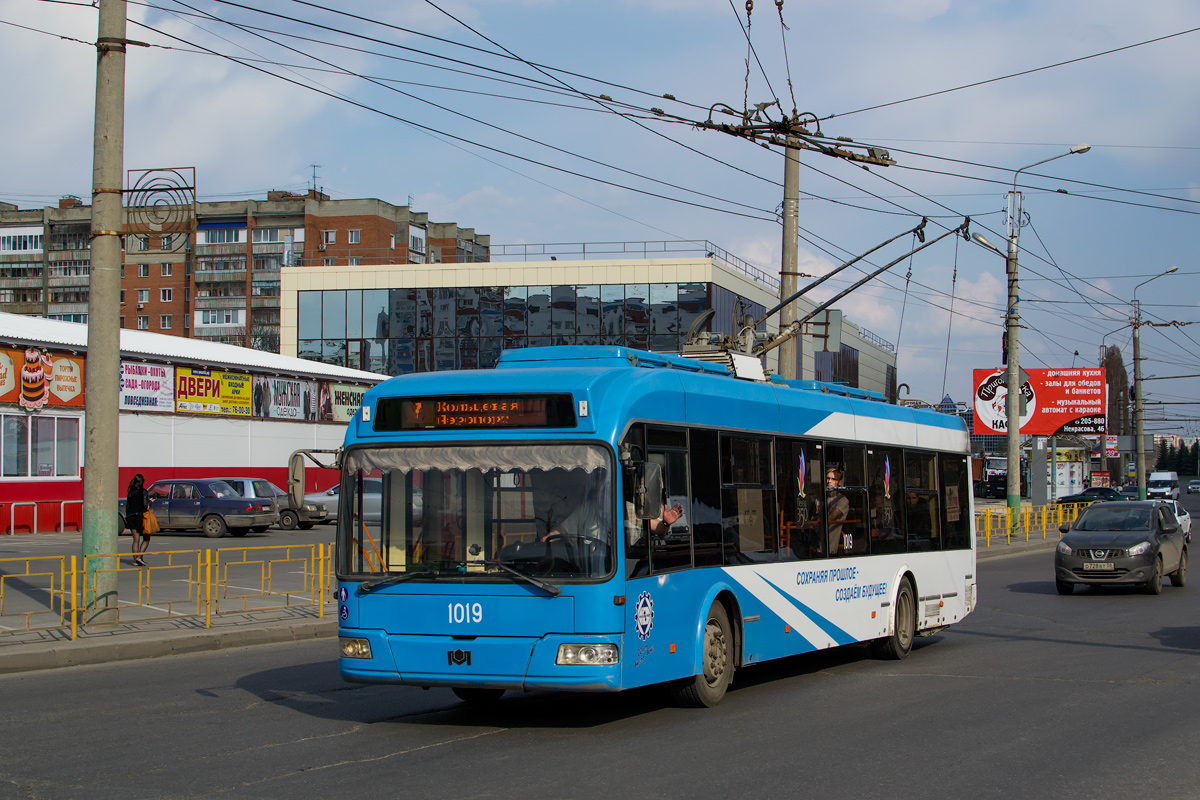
(189, 408)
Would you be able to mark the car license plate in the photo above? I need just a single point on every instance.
(1098, 566)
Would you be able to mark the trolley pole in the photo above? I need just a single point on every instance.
(788, 276)
(100, 476)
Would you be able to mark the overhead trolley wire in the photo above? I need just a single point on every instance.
(490, 125)
(1013, 74)
(432, 131)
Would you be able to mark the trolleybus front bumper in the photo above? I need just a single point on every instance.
(496, 662)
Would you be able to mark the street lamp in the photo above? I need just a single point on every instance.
(1137, 385)
(1012, 408)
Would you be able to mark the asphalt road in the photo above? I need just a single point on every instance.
(1092, 695)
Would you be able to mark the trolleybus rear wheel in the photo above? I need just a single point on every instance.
(716, 658)
(477, 696)
(898, 644)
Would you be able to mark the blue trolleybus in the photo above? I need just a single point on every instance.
(600, 518)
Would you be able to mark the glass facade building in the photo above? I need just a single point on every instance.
(400, 331)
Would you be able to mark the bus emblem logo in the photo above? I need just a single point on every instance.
(458, 657)
(643, 616)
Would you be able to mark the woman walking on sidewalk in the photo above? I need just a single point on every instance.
(135, 509)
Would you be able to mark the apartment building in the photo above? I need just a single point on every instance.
(219, 280)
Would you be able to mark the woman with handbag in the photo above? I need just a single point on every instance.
(135, 511)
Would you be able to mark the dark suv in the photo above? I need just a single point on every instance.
(210, 505)
(1092, 494)
(1122, 543)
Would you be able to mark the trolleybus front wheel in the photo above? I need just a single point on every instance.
(477, 696)
(716, 658)
(899, 643)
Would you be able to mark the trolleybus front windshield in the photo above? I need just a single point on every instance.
(543, 510)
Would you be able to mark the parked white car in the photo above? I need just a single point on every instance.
(1181, 514)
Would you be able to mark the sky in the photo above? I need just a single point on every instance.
(488, 113)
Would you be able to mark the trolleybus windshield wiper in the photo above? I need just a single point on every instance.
(370, 586)
(549, 588)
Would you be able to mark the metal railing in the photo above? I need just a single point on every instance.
(51, 592)
(587, 250)
(876, 339)
(1026, 521)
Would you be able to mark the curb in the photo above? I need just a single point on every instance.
(153, 644)
(1015, 549)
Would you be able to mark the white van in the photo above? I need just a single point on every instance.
(1164, 485)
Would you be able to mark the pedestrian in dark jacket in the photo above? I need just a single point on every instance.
(135, 508)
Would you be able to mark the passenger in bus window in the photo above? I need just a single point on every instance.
(837, 507)
(920, 523)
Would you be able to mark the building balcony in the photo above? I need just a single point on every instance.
(23, 283)
(238, 249)
(264, 302)
(212, 303)
(221, 276)
(35, 309)
(70, 282)
(67, 308)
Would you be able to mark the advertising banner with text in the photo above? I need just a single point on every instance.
(35, 378)
(1057, 402)
(147, 387)
(211, 391)
(283, 398)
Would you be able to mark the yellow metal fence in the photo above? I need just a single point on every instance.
(1025, 522)
(50, 592)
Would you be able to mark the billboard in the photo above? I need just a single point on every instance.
(34, 378)
(1057, 402)
(211, 391)
(283, 398)
(147, 387)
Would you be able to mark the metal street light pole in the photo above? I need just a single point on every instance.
(1138, 433)
(1012, 406)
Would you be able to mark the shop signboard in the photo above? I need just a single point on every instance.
(1057, 402)
(147, 387)
(211, 391)
(34, 378)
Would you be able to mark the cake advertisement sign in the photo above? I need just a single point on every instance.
(34, 378)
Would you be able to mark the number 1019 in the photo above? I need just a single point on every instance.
(464, 612)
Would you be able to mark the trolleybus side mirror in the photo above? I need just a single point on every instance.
(650, 493)
(295, 482)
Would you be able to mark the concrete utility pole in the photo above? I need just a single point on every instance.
(1012, 405)
(791, 134)
(1138, 424)
(100, 475)
(791, 238)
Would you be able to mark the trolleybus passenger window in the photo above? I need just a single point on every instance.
(885, 500)
(801, 483)
(956, 521)
(748, 500)
(670, 535)
(705, 516)
(847, 530)
(921, 502)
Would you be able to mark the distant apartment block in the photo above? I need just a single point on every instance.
(223, 283)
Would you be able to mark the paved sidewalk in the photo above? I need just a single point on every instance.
(100, 644)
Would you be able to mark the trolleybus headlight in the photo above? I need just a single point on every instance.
(1064, 548)
(355, 648)
(587, 654)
